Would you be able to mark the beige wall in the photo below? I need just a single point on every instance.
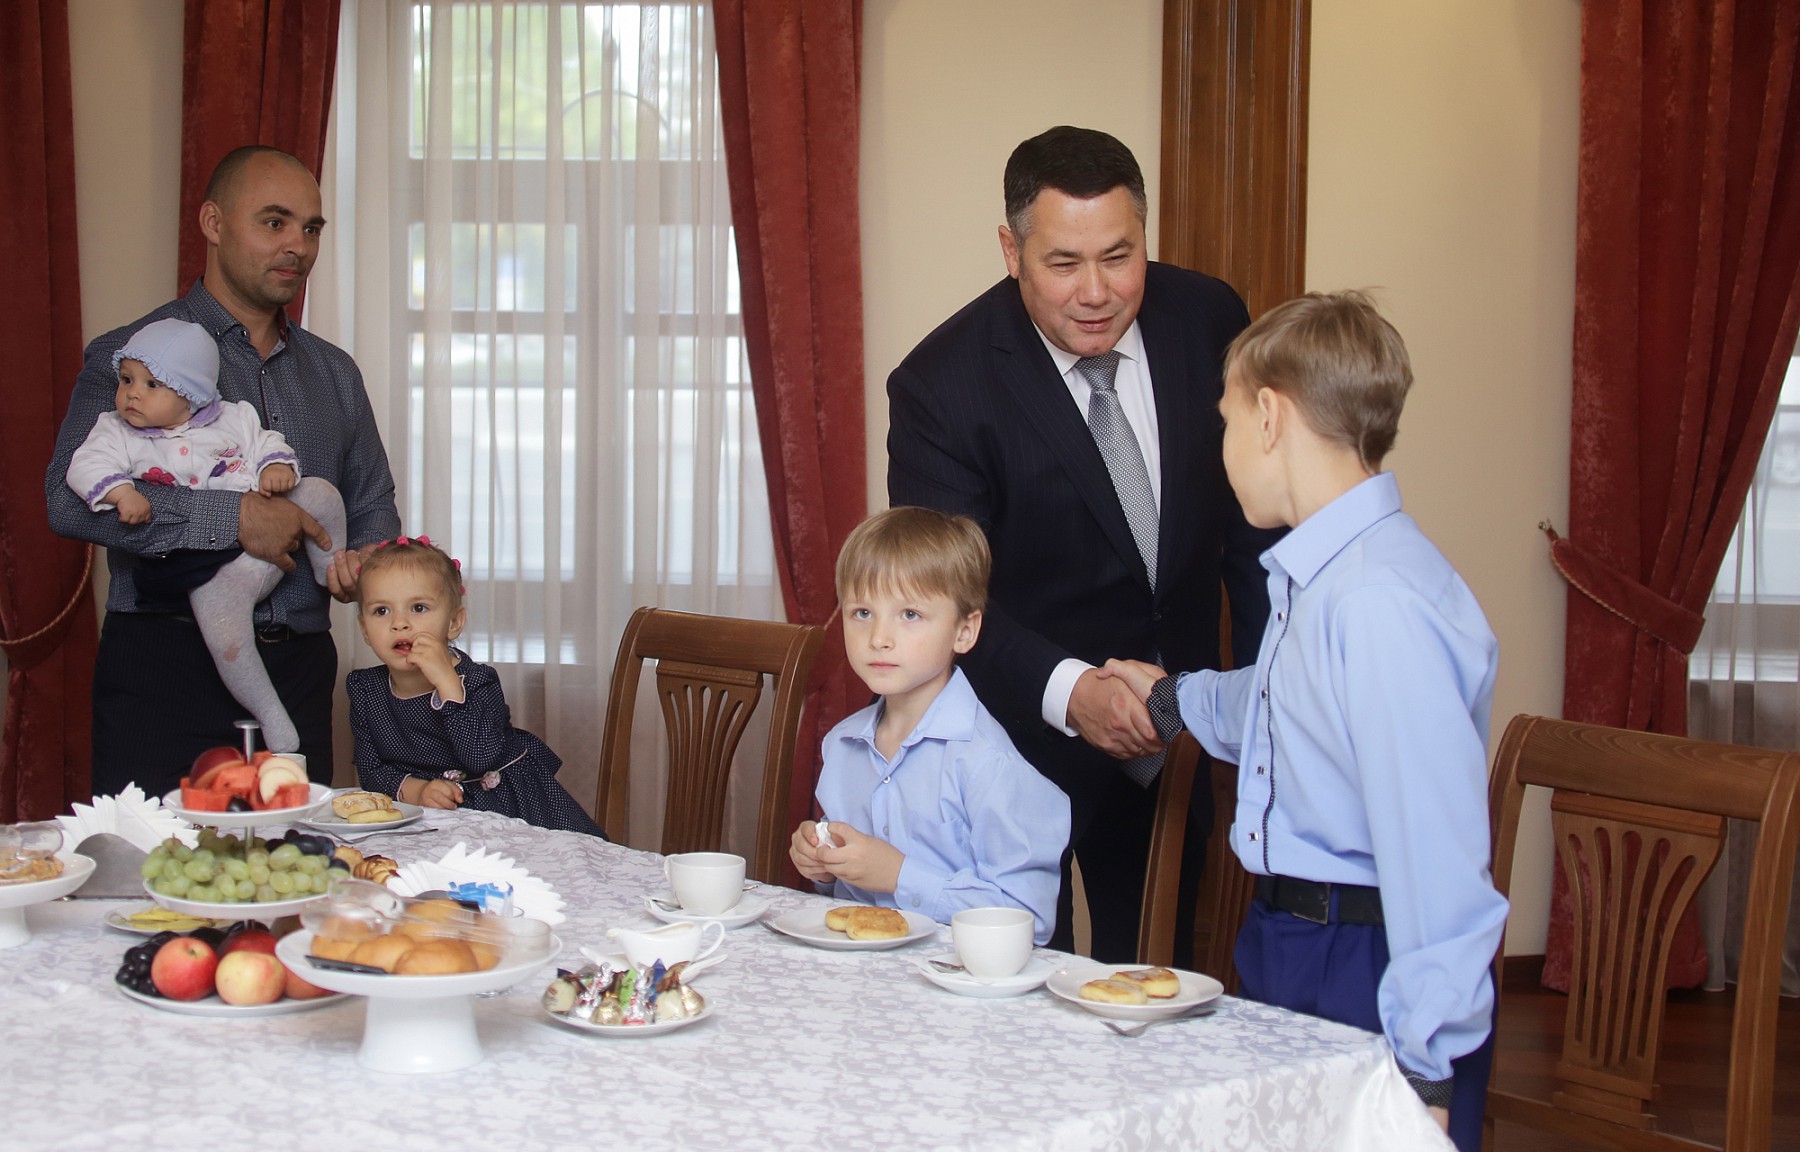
(1442, 172)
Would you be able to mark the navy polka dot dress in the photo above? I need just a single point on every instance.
(501, 768)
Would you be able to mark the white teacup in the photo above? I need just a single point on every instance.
(706, 883)
(672, 943)
(992, 943)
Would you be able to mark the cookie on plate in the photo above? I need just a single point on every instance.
(876, 924)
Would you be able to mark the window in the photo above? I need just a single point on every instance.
(567, 397)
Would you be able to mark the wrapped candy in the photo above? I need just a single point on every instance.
(609, 995)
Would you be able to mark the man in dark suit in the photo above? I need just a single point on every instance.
(1072, 411)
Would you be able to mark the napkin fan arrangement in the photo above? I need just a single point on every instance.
(462, 864)
(116, 832)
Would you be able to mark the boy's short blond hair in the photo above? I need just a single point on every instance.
(919, 552)
(1338, 360)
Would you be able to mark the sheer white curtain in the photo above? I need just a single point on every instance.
(530, 256)
(1744, 675)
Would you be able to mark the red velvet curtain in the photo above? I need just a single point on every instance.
(789, 80)
(46, 612)
(1687, 296)
(253, 72)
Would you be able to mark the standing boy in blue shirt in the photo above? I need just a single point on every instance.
(927, 805)
(1361, 734)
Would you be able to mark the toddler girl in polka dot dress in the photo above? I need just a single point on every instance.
(431, 725)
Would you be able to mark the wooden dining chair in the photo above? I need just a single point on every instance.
(1638, 820)
(710, 673)
(1226, 888)
(1162, 876)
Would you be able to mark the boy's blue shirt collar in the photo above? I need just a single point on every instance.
(950, 717)
(1312, 544)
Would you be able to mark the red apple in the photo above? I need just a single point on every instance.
(248, 978)
(249, 940)
(300, 989)
(183, 969)
(210, 761)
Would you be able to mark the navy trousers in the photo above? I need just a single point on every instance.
(1333, 971)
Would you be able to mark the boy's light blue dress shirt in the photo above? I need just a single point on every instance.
(979, 825)
(1361, 743)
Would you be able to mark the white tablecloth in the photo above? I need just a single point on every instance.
(806, 1049)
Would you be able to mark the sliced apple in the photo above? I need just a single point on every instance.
(275, 772)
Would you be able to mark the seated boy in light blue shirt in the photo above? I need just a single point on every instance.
(926, 804)
(1361, 733)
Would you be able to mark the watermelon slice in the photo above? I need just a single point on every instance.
(202, 799)
(286, 796)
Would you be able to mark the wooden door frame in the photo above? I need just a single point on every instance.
(1232, 201)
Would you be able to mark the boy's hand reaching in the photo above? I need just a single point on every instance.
(1137, 675)
(278, 478)
(803, 850)
(860, 859)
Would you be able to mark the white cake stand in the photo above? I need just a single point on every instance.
(15, 898)
(416, 1024)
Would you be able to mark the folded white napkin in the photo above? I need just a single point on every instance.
(530, 894)
(131, 816)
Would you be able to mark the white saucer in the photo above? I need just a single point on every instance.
(1196, 989)
(748, 910)
(1032, 976)
(807, 925)
(632, 1031)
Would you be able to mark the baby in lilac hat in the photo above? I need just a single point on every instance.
(169, 428)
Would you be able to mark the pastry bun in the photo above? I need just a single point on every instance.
(352, 805)
(1113, 991)
(376, 868)
(1157, 983)
(876, 924)
(838, 919)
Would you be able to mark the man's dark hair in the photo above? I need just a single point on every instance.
(225, 173)
(1078, 162)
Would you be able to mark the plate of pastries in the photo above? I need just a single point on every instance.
(360, 811)
(855, 927)
(1133, 991)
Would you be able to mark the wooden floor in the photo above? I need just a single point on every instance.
(1695, 1046)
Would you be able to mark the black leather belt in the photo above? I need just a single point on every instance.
(275, 633)
(1312, 900)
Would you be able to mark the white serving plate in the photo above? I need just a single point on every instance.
(15, 898)
(1196, 989)
(268, 816)
(1032, 976)
(217, 1008)
(293, 950)
(632, 1031)
(747, 910)
(417, 1024)
(807, 925)
(230, 913)
(119, 919)
(325, 820)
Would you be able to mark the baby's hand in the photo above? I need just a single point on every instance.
(278, 478)
(440, 794)
(860, 859)
(434, 658)
(1138, 676)
(803, 851)
(133, 507)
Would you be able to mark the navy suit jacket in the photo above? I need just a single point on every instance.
(982, 424)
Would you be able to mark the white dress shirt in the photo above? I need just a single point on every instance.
(1138, 402)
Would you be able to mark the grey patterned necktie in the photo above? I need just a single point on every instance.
(1131, 481)
(1124, 459)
